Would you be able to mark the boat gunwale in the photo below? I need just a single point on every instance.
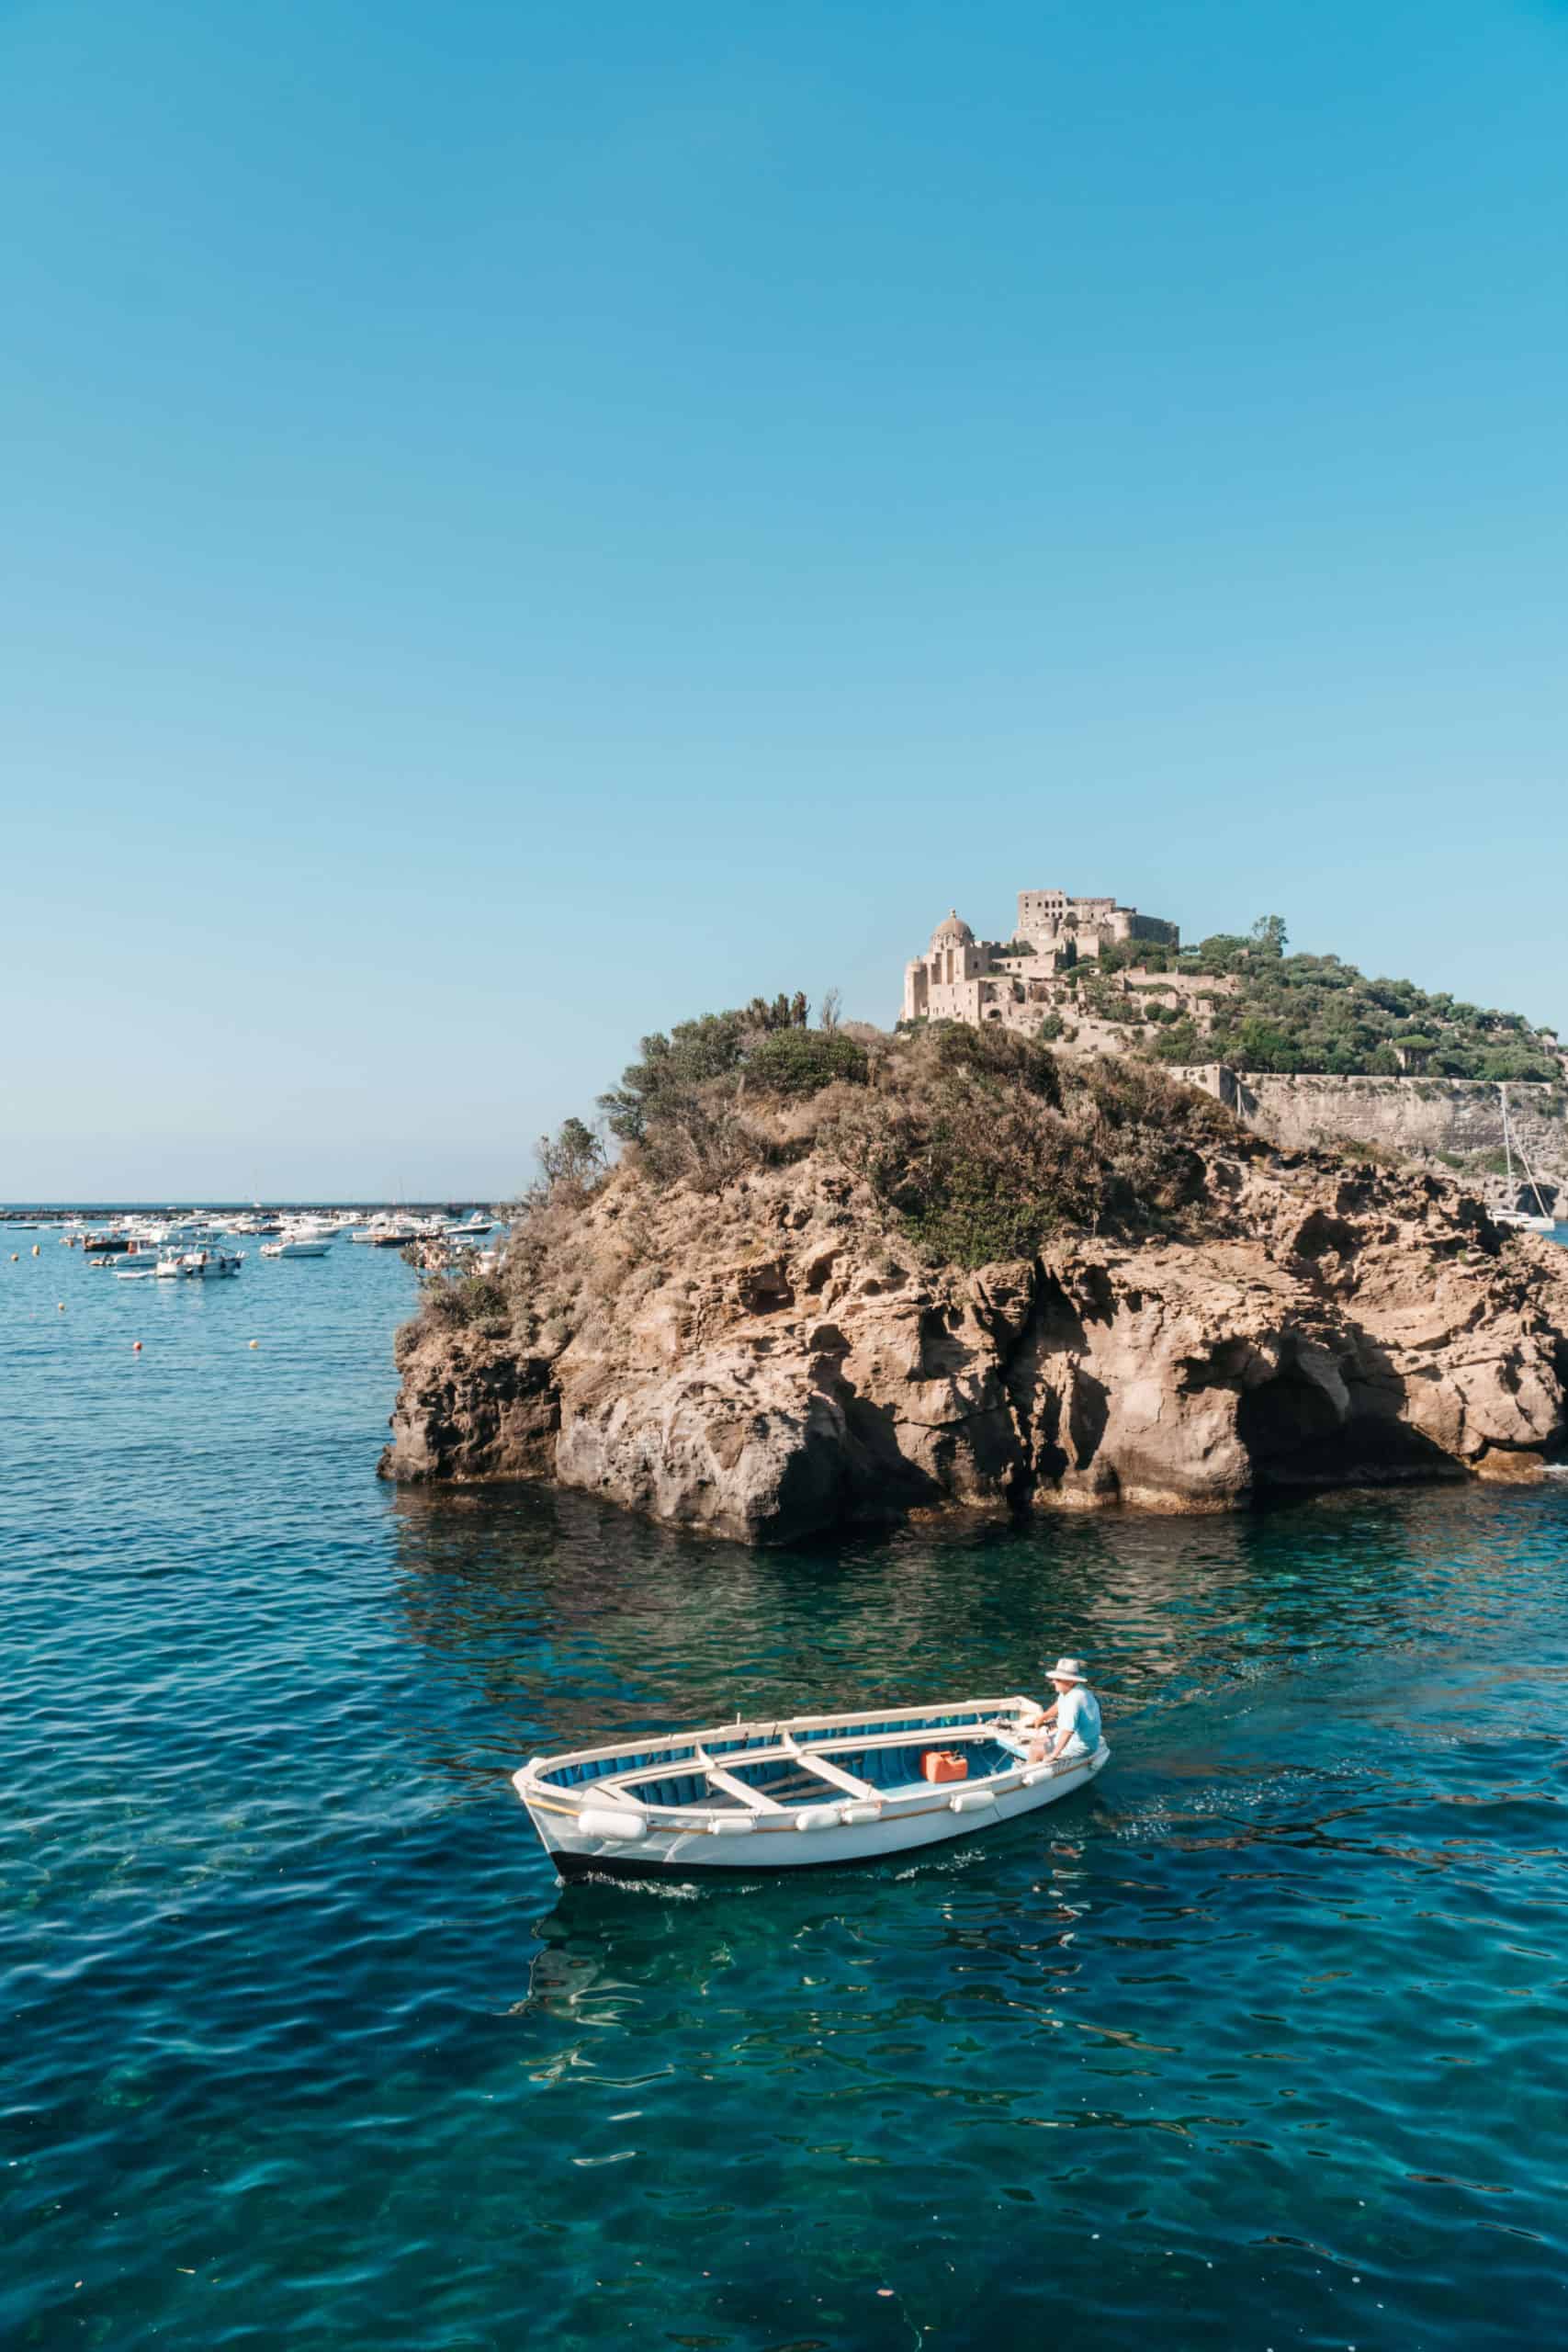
(775, 1726)
(847, 1731)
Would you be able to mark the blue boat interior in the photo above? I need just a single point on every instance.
(655, 1777)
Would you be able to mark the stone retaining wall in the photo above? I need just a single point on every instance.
(1460, 1117)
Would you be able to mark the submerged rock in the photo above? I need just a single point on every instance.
(772, 1358)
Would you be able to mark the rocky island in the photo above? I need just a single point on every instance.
(835, 1277)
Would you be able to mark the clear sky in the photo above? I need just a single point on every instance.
(523, 523)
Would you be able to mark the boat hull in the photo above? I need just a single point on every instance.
(930, 1817)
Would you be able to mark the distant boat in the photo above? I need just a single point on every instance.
(198, 1265)
(383, 1229)
(395, 1232)
(298, 1241)
(1519, 1220)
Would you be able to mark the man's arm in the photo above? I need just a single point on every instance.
(1038, 1725)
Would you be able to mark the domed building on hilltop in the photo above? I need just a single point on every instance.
(960, 977)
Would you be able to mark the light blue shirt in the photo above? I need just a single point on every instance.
(1077, 1711)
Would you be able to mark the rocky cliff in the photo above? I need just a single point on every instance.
(773, 1354)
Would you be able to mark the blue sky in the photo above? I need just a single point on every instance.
(525, 523)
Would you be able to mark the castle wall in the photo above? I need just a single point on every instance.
(1151, 928)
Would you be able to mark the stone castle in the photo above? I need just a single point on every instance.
(1048, 981)
(1020, 981)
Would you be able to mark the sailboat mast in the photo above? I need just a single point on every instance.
(1532, 1180)
(1507, 1143)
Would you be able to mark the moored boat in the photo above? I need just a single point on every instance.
(298, 1241)
(1517, 1218)
(198, 1265)
(785, 1795)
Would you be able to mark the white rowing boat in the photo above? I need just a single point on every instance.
(817, 1789)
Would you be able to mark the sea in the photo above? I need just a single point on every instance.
(1262, 2042)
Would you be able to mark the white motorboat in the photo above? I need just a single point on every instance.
(198, 1265)
(816, 1788)
(298, 1241)
(386, 1231)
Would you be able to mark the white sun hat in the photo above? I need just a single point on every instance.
(1066, 1669)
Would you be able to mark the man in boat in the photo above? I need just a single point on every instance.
(1072, 1715)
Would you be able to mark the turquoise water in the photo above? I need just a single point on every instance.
(1259, 2043)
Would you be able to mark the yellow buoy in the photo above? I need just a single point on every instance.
(256, 1343)
(15, 1256)
(63, 1306)
(35, 1248)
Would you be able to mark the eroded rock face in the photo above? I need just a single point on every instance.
(470, 1408)
(771, 1360)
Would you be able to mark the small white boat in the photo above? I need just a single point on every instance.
(198, 1265)
(296, 1241)
(816, 1788)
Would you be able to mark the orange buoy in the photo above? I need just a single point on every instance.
(63, 1306)
(15, 1256)
(136, 1347)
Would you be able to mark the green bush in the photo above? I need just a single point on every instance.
(670, 1066)
(1314, 1013)
(459, 1301)
(983, 1145)
(802, 1061)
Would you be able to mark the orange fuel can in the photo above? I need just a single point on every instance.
(944, 1764)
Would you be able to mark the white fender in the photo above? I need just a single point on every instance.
(730, 1824)
(599, 1821)
(863, 1809)
(971, 1800)
(817, 1817)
